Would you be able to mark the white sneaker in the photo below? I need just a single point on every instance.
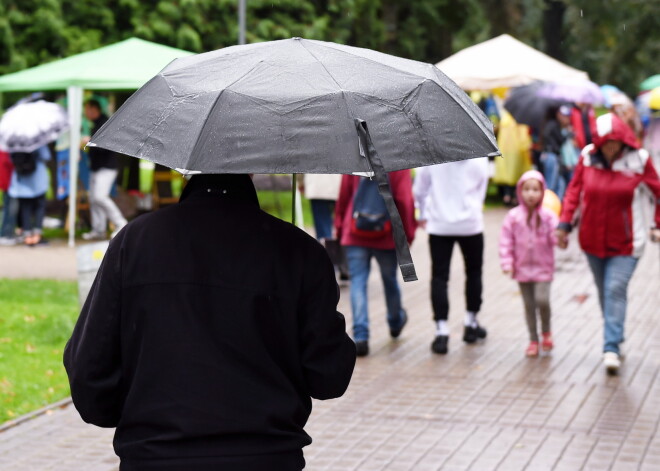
(7, 241)
(612, 363)
(93, 236)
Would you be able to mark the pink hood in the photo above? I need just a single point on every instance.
(530, 174)
(527, 249)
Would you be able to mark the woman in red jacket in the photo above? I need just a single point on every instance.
(612, 185)
(361, 247)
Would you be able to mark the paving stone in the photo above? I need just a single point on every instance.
(480, 407)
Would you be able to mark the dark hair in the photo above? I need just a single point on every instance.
(93, 103)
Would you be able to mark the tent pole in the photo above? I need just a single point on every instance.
(74, 105)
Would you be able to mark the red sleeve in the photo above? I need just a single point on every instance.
(572, 195)
(401, 184)
(650, 177)
(345, 195)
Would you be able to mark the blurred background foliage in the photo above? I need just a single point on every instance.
(616, 41)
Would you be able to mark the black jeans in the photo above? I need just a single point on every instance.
(32, 211)
(472, 248)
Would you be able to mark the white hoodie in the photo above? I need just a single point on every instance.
(450, 197)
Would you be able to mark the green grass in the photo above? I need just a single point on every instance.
(278, 203)
(36, 320)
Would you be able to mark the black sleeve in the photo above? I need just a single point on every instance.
(92, 355)
(328, 353)
(552, 137)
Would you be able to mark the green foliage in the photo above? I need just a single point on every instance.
(615, 41)
(36, 320)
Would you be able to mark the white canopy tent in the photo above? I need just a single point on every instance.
(504, 62)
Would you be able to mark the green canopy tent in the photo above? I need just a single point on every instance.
(126, 65)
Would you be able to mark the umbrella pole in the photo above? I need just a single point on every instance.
(293, 199)
(368, 151)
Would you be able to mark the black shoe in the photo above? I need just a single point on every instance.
(439, 345)
(362, 348)
(394, 333)
(472, 334)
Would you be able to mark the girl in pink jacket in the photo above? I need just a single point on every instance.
(527, 245)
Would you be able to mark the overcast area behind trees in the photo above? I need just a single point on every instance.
(615, 41)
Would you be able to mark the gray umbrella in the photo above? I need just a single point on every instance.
(299, 106)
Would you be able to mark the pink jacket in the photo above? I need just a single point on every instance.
(527, 250)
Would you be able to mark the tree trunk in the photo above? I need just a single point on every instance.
(553, 28)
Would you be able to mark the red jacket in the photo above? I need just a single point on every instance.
(401, 185)
(6, 169)
(577, 124)
(616, 202)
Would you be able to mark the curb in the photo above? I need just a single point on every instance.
(34, 414)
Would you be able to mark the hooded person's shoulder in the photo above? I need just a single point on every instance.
(288, 233)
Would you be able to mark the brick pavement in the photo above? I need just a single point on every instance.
(481, 407)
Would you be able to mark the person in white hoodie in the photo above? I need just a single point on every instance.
(450, 198)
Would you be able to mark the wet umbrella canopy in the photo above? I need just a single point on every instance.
(527, 107)
(29, 125)
(298, 106)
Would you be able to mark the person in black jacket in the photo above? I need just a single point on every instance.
(209, 326)
(557, 118)
(103, 165)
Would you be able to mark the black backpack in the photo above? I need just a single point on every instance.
(25, 163)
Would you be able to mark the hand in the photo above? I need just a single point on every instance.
(655, 234)
(422, 223)
(508, 272)
(562, 238)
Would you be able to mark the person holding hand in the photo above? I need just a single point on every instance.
(527, 242)
(616, 186)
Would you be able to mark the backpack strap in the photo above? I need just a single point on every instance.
(368, 151)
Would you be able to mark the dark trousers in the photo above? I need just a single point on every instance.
(472, 248)
(10, 215)
(33, 211)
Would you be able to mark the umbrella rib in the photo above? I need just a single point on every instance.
(322, 65)
(215, 103)
(465, 108)
(421, 64)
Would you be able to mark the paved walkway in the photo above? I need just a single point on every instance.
(481, 407)
(53, 261)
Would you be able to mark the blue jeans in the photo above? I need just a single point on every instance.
(359, 265)
(33, 211)
(612, 275)
(322, 211)
(553, 181)
(9, 215)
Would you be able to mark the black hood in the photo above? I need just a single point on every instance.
(233, 186)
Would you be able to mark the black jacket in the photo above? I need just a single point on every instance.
(552, 137)
(101, 158)
(208, 327)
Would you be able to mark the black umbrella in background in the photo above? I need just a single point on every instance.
(301, 106)
(527, 107)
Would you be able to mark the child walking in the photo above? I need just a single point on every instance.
(527, 245)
